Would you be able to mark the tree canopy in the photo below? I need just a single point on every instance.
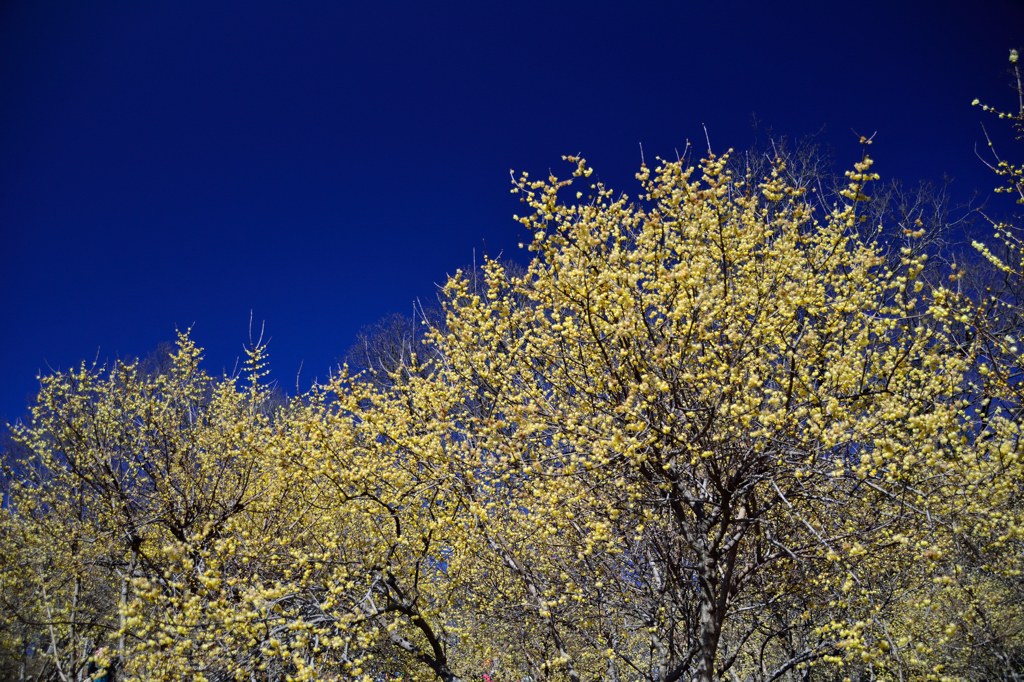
(730, 428)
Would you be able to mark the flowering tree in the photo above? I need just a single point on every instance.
(721, 430)
(728, 423)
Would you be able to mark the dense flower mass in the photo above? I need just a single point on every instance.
(724, 430)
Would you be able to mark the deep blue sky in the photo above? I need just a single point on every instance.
(167, 164)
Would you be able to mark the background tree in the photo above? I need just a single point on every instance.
(974, 605)
(385, 350)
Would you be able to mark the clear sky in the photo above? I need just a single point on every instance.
(175, 164)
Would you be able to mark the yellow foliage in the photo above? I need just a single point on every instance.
(710, 431)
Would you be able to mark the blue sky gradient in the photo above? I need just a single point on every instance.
(321, 164)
